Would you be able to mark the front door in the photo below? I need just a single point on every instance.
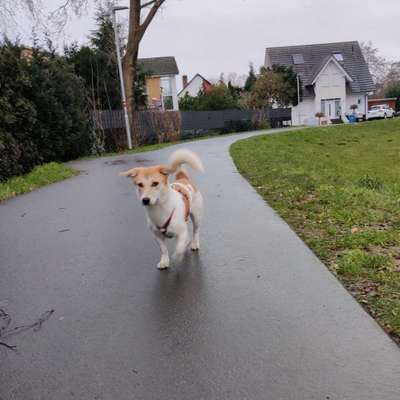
(331, 108)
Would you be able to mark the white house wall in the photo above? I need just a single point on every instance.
(331, 84)
(357, 98)
(193, 88)
(174, 93)
(303, 111)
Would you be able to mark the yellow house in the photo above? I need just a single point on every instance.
(161, 82)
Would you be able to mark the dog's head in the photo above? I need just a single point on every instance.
(151, 182)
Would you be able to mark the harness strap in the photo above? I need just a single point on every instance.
(185, 197)
(163, 229)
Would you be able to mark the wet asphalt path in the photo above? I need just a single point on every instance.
(254, 315)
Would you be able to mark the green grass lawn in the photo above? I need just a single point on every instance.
(339, 188)
(40, 176)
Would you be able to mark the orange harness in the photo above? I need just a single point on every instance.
(186, 200)
(185, 197)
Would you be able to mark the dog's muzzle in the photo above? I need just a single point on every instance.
(146, 201)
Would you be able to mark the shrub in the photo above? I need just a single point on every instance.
(219, 97)
(43, 111)
(18, 152)
(61, 131)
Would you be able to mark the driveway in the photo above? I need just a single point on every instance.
(254, 315)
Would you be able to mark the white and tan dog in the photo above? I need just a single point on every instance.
(168, 206)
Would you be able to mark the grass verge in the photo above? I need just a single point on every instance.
(141, 149)
(40, 176)
(339, 188)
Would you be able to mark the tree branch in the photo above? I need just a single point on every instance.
(150, 16)
(148, 3)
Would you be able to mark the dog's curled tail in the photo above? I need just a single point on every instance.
(185, 156)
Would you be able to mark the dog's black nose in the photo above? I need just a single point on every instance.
(146, 201)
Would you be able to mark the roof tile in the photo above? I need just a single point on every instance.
(159, 65)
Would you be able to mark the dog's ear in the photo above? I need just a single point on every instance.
(131, 172)
(166, 170)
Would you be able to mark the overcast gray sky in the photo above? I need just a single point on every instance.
(214, 36)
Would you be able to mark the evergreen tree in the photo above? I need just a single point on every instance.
(235, 91)
(251, 79)
(289, 94)
(97, 66)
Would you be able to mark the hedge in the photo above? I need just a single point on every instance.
(43, 113)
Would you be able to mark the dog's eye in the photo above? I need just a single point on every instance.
(140, 184)
(154, 184)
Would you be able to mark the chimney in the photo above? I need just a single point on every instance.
(184, 80)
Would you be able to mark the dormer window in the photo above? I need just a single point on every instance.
(298, 59)
(338, 56)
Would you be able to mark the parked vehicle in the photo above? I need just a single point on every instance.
(380, 111)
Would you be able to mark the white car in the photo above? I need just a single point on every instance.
(380, 111)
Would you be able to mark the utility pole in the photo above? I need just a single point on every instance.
(121, 76)
(298, 98)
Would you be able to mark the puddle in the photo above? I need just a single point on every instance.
(141, 160)
(115, 162)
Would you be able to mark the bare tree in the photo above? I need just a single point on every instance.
(378, 66)
(141, 14)
(235, 79)
(11, 11)
(393, 75)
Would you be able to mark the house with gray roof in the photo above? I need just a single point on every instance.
(332, 78)
(160, 82)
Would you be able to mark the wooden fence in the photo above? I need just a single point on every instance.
(157, 127)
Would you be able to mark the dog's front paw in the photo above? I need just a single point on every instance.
(195, 245)
(163, 264)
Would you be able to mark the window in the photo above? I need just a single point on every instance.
(338, 108)
(298, 59)
(165, 84)
(166, 93)
(338, 56)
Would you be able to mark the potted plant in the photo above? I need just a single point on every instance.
(353, 108)
(319, 115)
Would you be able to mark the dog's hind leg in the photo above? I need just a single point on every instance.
(164, 262)
(196, 215)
